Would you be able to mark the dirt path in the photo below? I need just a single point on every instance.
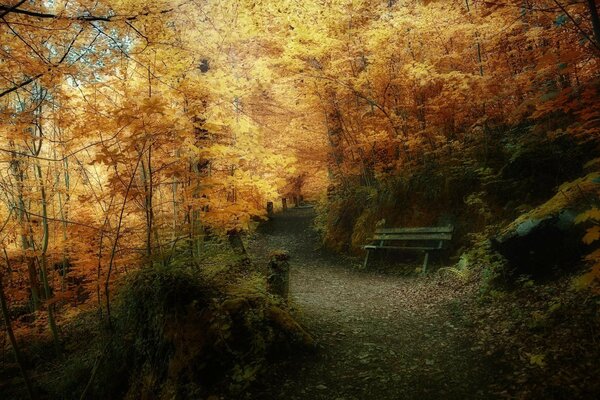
(380, 336)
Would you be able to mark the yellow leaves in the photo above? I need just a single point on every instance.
(592, 234)
(152, 105)
(594, 256)
(590, 279)
(537, 359)
(534, 33)
(422, 73)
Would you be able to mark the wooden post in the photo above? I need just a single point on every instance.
(425, 261)
(235, 240)
(270, 208)
(284, 203)
(278, 279)
(366, 259)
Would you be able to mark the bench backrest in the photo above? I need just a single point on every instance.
(439, 235)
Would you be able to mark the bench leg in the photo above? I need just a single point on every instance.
(366, 258)
(425, 261)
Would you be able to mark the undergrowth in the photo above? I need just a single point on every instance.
(186, 330)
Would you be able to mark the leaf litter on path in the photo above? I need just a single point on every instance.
(381, 337)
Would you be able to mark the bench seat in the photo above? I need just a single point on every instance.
(372, 246)
(424, 239)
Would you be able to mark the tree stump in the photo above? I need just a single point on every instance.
(278, 279)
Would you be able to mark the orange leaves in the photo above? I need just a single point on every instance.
(590, 279)
(591, 214)
(592, 234)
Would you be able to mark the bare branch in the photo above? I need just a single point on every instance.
(20, 85)
(86, 17)
(7, 9)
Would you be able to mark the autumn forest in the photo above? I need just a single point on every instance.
(322, 199)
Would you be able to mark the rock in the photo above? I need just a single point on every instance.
(537, 245)
(547, 238)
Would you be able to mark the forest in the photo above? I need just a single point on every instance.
(319, 199)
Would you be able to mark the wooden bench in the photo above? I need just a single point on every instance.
(416, 239)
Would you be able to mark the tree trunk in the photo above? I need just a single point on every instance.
(34, 286)
(11, 336)
(147, 182)
(44, 260)
(595, 20)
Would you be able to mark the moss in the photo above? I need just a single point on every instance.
(189, 330)
(569, 195)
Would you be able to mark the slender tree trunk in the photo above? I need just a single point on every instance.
(62, 205)
(22, 218)
(45, 232)
(477, 43)
(11, 335)
(113, 252)
(595, 20)
(175, 209)
(44, 259)
(147, 205)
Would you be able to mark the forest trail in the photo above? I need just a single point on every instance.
(380, 336)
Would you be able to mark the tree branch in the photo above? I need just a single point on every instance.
(86, 18)
(583, 32)
(20, 85)
(36, 77)
(7, 9)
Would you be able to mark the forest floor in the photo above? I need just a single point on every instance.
(381, 336)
